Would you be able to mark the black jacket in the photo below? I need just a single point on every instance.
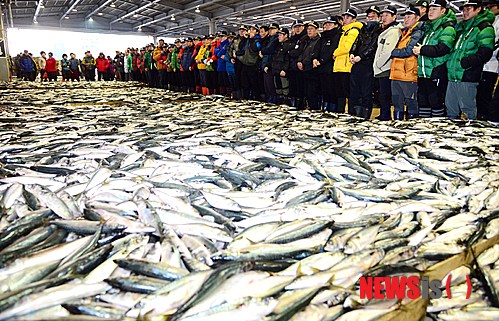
(280, 59)
(325, 48)
(308, 54)
(366, 44)
(297, 43)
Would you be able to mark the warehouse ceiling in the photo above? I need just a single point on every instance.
(173, 18)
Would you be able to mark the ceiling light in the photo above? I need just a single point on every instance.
(197, 9)
(113, 5)
(302, 17)
(234, 25)
(173, 18)
(255, 18)
(140, 29)
(135, 15)
(292, 7)
(66, 17)
(90, 19)
(225, 23)
(74, 10)
(191, 29)
(239, 18)
(100, 14)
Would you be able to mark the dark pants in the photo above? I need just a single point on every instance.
(296, 86)
(385, 98)
(75, 74)
(52, 75)
(153, 78)
(90, 74)
(203, 80)
(211, 81)
(328, 90)
(484, 94)
(223, 82)
(163, 78)
(312, 89)
(249, 82)
(232, 81)
(268, 82)
(493, 109)
(66, 75)
(101, 75)
(361, 87)
(342, 85)
(431, 97)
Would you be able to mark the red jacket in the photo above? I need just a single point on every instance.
(51, 65)
(102, 64)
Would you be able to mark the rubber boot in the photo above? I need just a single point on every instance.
(325, 106)
(299, 104)
(357, 111)
(205, 91)
(366, 113)
(398, 115)
(199, 90)
(342, 102)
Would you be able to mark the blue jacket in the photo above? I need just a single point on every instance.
(220, 51)
(268, 50)
(27, 64)
(186, 60)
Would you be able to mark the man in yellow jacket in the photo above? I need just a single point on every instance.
(200, 60)
(342, 65)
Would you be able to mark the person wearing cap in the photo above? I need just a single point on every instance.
(433, 53)
(268, 48)
(128, 67)
(119, 62)
(473, 48)
(422, 6)
(295, 76)
(51, 68)
(280, 66)
(66, 74)
(197, 44)
(387, 41)
(323, 61)
(404, 68)
(186, 61)
(236, 59)
(362, 58)
(89, 63)
(42, 62)
(136, 64)
(211, 65)
(249, 49)
(229, 58)
(74, 67)
(201, 65)
(102, 65)
(485, 90)
(162, 64)
(220, 52)
(342, 64)
(306, 65)
(26, 65)
(149, 65)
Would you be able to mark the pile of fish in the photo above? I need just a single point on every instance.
(120, 202)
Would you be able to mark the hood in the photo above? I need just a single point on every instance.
(352, 25)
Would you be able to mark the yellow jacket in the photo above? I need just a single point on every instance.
(342, 53)
(156, 54)
(200, 56)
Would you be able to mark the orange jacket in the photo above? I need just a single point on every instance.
(406, 68)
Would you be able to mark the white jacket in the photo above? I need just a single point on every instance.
(387, 41)
(493, 64)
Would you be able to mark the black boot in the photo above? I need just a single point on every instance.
(299, 104)
(314, 105)
(342, 102)
(357, 111)
(325, 106)
(412, 116)
(366, 113)
(332, 108)
(398, 115)
(292, 101)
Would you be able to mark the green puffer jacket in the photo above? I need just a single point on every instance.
(438, 41)
(473, 48)
(175, 61)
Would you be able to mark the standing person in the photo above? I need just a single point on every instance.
(220, 53)
(490, 72)
(74, 67)
(102, 65)
(236, 60)
(323, 61)
(111, 71)
(175, 58)
(230, 67)
(119, 64)
(342, 64)
(51, 67)
(264, 40)
(267, 51)
(306, 65)
(186, 61)
(148, 64)
(197, 78)
(433, 53)
(65, 66)
(404, 68)
(28, 66)
(473, 48)
(280, 66)
(128, 65)
(89, 63)
(210, 61)
(200, 60)
(249, 49)
(42, 63)
(362, 58)
(422, 6)
(387, 41)
(295, 76)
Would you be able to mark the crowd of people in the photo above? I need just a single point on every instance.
(429, 65)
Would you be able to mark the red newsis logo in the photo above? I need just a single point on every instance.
(400, 287)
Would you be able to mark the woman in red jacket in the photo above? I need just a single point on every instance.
(102, 65)
(51, 68)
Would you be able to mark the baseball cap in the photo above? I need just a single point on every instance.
(313, 24)
(421, 3)
(274, 25)
(297, 23)
(232, 34)
(373, 9)
(390, 9)
(438, 3)
(412, 10)
(284, 31)
(332, 19)
(177, 41)
(223, 33)
(243, 27)
(476, 3)
(350, 12)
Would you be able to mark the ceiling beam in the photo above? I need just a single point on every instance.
(131, 13)
(98, 9)
(75, 3)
